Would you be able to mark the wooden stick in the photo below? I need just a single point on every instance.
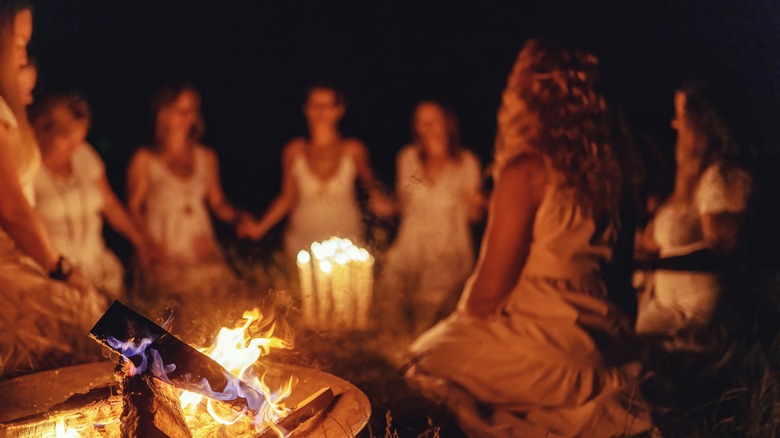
(305, 410)
(151, 409)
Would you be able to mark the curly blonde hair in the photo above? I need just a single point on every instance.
(552, 106)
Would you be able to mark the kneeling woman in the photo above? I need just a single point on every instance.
(73, 195)
(535, 337)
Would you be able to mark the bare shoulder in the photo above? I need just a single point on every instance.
(294, 147)
(354, 147)
(525, 171)
(141, 157)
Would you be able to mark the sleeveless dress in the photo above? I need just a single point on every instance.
(178, 220)
(72, 210)
(324, 208)
(432, 254)
(539, 363)
(43, 322)
(676, 301)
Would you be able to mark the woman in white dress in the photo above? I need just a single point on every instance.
(695, 230)
(46, 306)
(173, 186)
(438, 185)
(73, 195)
(318, 180)
(536, 348)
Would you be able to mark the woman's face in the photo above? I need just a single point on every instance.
(178, 118)
(322, 108)
(22, 35)
(62, 145)
(430, 125)
(28, 76)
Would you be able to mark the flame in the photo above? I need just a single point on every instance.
(235, 350)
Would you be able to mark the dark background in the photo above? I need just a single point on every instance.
(253, 60)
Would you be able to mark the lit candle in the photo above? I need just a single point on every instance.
(363, 291)
(343, 306)
(308, 294)
(324, 293)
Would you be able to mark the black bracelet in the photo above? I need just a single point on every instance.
(62, 270)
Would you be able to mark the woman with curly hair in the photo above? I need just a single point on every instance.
(536, 346)
(692, 234)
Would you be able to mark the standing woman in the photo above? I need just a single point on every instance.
(536, 347)
(318, 180)
(173, 186)
(73, 194)
(46, 306)
(438, 188)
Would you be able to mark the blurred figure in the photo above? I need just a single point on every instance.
(692, 234)
(536, 348)
(73, 194)
(438, 184)
(28, 78)
(46, 304)
(318, 180)
(173, 184)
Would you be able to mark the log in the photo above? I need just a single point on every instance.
(151, 409)
(191, 367)
(310, 407)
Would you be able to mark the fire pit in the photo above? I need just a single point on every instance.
(83, 401)
(164, 387)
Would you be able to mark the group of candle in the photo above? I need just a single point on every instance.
(336, 280)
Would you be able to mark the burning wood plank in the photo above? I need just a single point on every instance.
(308, 408)
(154, 351)
(151, 409)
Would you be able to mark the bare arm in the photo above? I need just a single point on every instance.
(17, 217)
(217, 200)
(284, 201)
(475, 200)
(380, 204)
(138, 186)
(117, 216)
(507, 241)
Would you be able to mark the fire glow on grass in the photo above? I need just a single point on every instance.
(238, 351)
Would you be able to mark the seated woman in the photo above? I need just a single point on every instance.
(318, 180)
(173, 184)
(46, 306)
(691, 235)
(438, 187)
(535, 347)
(72, 194)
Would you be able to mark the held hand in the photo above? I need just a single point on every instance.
(381, 205)
(250, 229)
(150, 253)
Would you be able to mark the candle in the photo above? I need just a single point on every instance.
(339, 288)
(308, 294)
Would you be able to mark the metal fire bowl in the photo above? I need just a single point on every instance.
(30, 398)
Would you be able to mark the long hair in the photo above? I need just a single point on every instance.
(9, 70)
(711, 137)
(553, 106)
(166, 97)
(451, 126)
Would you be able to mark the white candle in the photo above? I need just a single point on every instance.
(324, 293)
(343, 305)
(308, 294)
(364, 289)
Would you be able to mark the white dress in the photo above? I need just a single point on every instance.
(194, 270)
(324, 208)
(43, 323)
(72, 209)
(680, 300)
(432, 254)
(542, 362)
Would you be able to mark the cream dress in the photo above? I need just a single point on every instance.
(178, 220)
(72, 210)
(432, 254)
(539, 364)
(43, 323)
(325, 208)
(675, 301)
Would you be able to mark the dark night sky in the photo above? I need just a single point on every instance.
(253, 60)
